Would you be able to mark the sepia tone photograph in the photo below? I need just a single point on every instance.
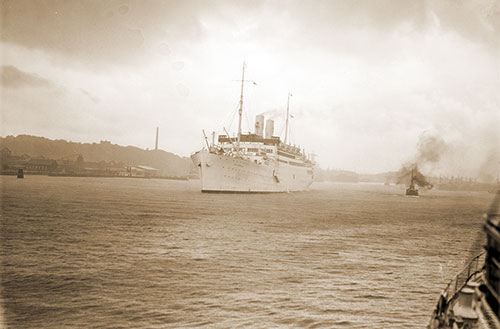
(250, 164)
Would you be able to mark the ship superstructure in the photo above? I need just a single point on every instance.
(472, 298)
(253, 162)
(412, 190)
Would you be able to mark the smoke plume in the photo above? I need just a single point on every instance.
(430, 148)
(273, 114)
(405, 173)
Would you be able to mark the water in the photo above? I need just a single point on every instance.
(120, 253)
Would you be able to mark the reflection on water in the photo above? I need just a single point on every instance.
(89, 252)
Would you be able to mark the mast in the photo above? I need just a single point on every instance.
(240, 111)
(287, 115)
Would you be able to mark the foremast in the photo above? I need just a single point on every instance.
(287, 116)
(240, 111)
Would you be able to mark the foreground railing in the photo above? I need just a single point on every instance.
(451, 292)
(456, 284)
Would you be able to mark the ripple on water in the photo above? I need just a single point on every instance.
(85, 252)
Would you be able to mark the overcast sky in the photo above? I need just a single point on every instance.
(368, 78)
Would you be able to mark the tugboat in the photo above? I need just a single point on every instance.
(412, 190)
(472, 298)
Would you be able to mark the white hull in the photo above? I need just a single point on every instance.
(223, 173)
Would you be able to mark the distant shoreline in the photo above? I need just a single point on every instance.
(96, 176)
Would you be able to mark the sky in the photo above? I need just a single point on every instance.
(371, 80)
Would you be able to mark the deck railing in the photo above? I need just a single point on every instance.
(450, 293)
(473, 268)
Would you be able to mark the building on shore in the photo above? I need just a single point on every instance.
(141, 171)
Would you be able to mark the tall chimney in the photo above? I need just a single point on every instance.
(269, 128)
(156, 143)
(259, 125)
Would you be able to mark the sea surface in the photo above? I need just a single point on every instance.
(152, 253)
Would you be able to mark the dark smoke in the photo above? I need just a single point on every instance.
(489, 170)
(274, 114)
(404, 177)
(430, 148)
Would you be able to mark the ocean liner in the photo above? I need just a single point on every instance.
(256, 162)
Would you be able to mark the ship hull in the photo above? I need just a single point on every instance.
(228, 174)
(411, 192)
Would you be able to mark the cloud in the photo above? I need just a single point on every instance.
(116, 32)
(100, 33)
(12, 77)
(93, 98)
(367, 76)
(353, 27)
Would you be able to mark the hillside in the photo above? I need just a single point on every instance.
(169, 164)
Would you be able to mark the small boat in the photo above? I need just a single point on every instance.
(20, 173)
(412, 190)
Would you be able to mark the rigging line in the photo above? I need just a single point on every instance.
(248, 122)
(292, 138)
(233, 116)
(228, 116)
(247, 106)
(281, 131)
